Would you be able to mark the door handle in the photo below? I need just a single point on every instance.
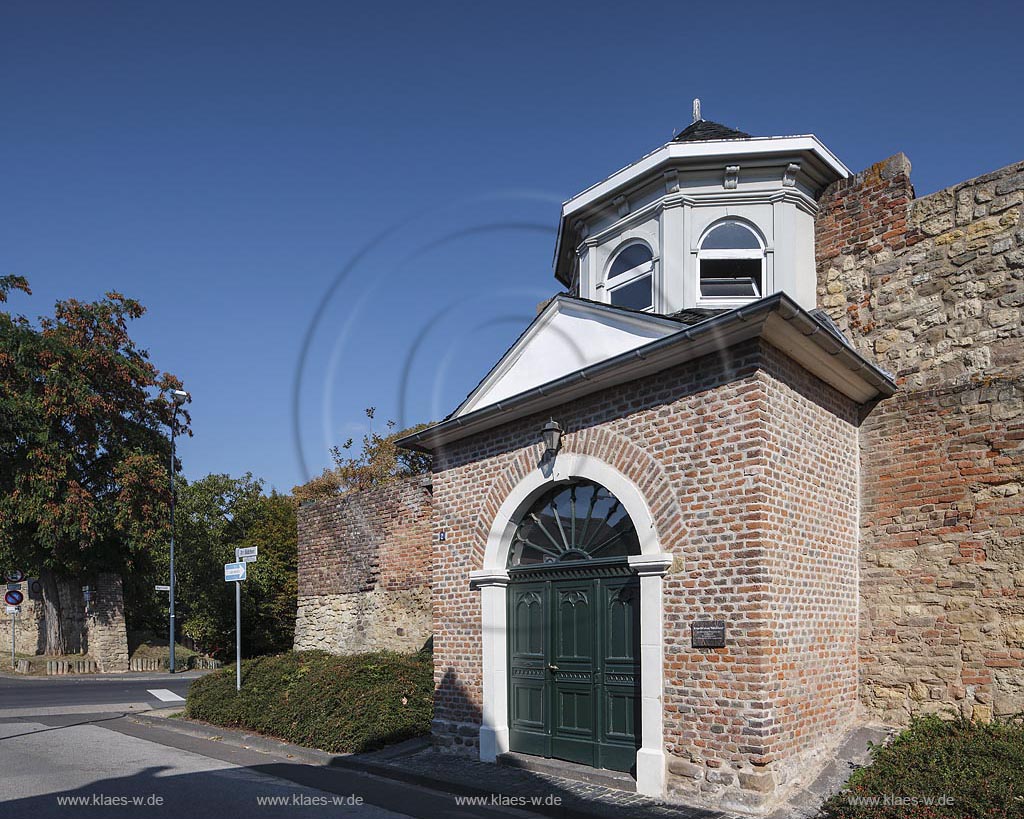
(552, 667)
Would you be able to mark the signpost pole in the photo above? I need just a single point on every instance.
(238, 635)
(14, 629)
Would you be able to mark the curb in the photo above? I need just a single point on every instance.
(313, 756)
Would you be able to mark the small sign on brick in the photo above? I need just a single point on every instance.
(707, 634)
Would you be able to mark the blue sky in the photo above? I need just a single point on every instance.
(379, 185)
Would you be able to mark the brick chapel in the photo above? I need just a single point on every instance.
(753, 478)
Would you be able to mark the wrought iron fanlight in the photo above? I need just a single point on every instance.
(574, 522)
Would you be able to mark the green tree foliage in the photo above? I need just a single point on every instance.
(214, 516)
(379, 461)
(83, 447)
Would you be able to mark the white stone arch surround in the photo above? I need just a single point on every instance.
(492, 580)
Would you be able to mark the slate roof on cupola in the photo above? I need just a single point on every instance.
(704, 130)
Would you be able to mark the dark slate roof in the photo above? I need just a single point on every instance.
(704, 129)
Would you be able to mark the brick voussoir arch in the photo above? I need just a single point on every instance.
(616, 450)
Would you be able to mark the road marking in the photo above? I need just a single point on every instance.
(164, 695)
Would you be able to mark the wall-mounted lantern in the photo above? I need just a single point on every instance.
(552, 437)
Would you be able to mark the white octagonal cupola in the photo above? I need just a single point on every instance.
(713, 220)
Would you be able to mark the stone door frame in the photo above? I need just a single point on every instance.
(651, 565)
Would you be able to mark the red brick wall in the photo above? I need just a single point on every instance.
(812, 511)
(713, 447)
(364, 566)
(932, 290)
(365, 539)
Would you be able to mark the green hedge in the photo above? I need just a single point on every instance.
(979, 767)
(311, 698)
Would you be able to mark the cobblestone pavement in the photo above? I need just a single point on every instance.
(576, 798)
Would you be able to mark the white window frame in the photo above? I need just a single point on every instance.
(737, 253)
(628, 276)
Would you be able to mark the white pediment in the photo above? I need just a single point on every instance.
(567, 336)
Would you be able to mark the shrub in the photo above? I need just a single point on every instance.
(979, 767)
(311, 698)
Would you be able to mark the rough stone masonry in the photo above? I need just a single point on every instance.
(99, 632)
(932, 290)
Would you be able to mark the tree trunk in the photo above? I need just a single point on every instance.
(56, 639)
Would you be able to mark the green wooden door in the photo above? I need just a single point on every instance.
(574, 668)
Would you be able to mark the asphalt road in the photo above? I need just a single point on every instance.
(33, 696)
(71, 747)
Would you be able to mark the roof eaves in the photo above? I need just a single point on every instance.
(715, 327)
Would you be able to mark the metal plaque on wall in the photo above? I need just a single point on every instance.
(707, 634)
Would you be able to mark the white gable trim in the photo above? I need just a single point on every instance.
(711, 149)
(540, 355)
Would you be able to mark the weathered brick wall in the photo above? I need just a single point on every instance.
(811, 481)
(364, 570)
(100, 633)
(932, 290)
(744, 460)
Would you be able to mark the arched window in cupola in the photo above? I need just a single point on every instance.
(730, 263)
(630, 280)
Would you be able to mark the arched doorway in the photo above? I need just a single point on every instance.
(574, 629)
(493, 582)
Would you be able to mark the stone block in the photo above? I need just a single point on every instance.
(759, 782)
(685, 768)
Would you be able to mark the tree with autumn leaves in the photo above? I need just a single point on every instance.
(84, 454)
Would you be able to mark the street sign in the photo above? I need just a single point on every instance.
(246, 555)
(35, 589)
(162, 588)
(14, 598)
(234, 572)
(15, 577)
(12, 609)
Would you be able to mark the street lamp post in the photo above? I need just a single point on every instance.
(178, 397)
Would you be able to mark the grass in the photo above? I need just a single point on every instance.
(149, 646)
(337, 704)
(936, 769)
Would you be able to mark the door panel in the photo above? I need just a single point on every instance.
(574, 669)
(620, 677)
(529, 709)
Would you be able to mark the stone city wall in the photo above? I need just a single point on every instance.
(364, 570)
(932, 290)
(99, 632)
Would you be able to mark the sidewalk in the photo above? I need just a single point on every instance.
(415, 762)
(498, 785)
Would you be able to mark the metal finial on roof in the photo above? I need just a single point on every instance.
(696, 111)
